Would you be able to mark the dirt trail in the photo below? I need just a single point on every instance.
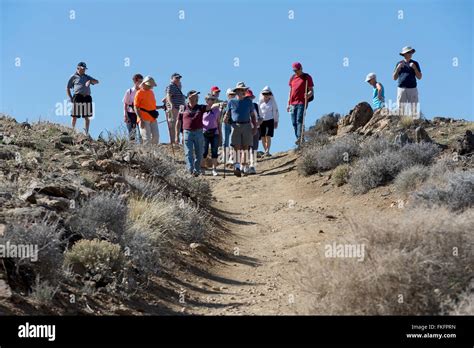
(276, 219)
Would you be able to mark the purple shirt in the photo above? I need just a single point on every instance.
(210, 119)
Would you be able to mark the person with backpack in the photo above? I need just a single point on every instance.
(130, 117)
(175, 99)
(269, 112)
(407, 71)
(240, 113)
(301, 92)
(211, 121)
(191, 119)
(81, 98)
(256, 136)
(378, 96)
(145, 107)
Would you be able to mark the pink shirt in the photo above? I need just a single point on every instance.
(210, 119)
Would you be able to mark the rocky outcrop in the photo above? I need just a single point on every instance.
(357, 118)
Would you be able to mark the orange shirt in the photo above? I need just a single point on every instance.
(145, 99)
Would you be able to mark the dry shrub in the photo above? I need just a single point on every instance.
(413, 264)
(340, 175)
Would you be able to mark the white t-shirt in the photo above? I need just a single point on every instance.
(128, 97)
(268, 111)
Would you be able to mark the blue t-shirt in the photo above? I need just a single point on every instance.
(78, 83)
(376, 102)
(407, 77)
(240, 110)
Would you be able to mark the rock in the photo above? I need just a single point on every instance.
(110, 166)
(66, 139)
(32, 213)
(198, 247)
(441, 120)
(58, 203)
(57, 190)
(6, 154)
(3, 228)
(422, 136)
(357, 118)
(71, 165)
(29, 196)
(465, 145)
(402, 138)
(5, 291)
(25, 125)
(104, 154)
(59, 146)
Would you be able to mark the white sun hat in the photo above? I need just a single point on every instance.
(370, 76)
(240, 85)
(149, 81)
(407, 49)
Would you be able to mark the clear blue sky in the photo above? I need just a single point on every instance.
(202, 47)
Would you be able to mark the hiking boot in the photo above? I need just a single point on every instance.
(214, 172)
(252, 170)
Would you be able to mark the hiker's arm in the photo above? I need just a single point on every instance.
(310, 92)
(397, 71)
(168, 99)
(253, 117)
(379, 91)
(139, 116)
(125, 112)
(417, 72)
(68, 91)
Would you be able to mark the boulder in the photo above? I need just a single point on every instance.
(421, 135)
(402, 138)
(57, 203)
(66, 139)
(379, 121)
(56, 190)
(110, 166)
(357, 118)
(5, 291)
(6, 154)
(465, 145)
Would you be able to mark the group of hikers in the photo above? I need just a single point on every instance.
(237, 124)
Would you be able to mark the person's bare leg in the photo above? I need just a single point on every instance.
(243, 156)
(73, 122)
(269, 143)
(87, 122)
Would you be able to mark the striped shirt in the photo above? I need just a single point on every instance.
(177, 97)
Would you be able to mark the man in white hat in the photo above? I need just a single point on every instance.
(145, 107)
(378, 96)
(241, 115)
(407, 72)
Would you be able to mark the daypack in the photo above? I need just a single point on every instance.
(152, 113)
(304, 76)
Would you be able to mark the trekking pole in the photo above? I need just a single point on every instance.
(304, 112)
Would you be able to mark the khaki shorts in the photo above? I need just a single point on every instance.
(241, 134)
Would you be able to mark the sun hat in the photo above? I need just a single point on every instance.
(266, 90)
(215, 89)
(297, 66)
(176, 75)
(192, 92)
(149, 81)
(407, 49)
(240, 85)
(82, 65)
(370, 76)
(229, 91)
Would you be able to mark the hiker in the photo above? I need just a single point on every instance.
(211, 121)
(269, 112)
(297, 99)
(215, 91)
(175, 98)
(191, 118)
(81, 98)
(240, 113)
(228, 129)
(406, 72)
(256, 136)
(145, 107)
(130, 117)
(378, 97)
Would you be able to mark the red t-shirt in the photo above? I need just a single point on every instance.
(192, 118)
(297, 85)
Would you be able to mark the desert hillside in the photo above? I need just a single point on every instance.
(124, 230)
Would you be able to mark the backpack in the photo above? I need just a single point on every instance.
(305, 77)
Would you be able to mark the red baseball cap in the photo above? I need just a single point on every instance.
(297, 66)
(215, 89)
(249, 93)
